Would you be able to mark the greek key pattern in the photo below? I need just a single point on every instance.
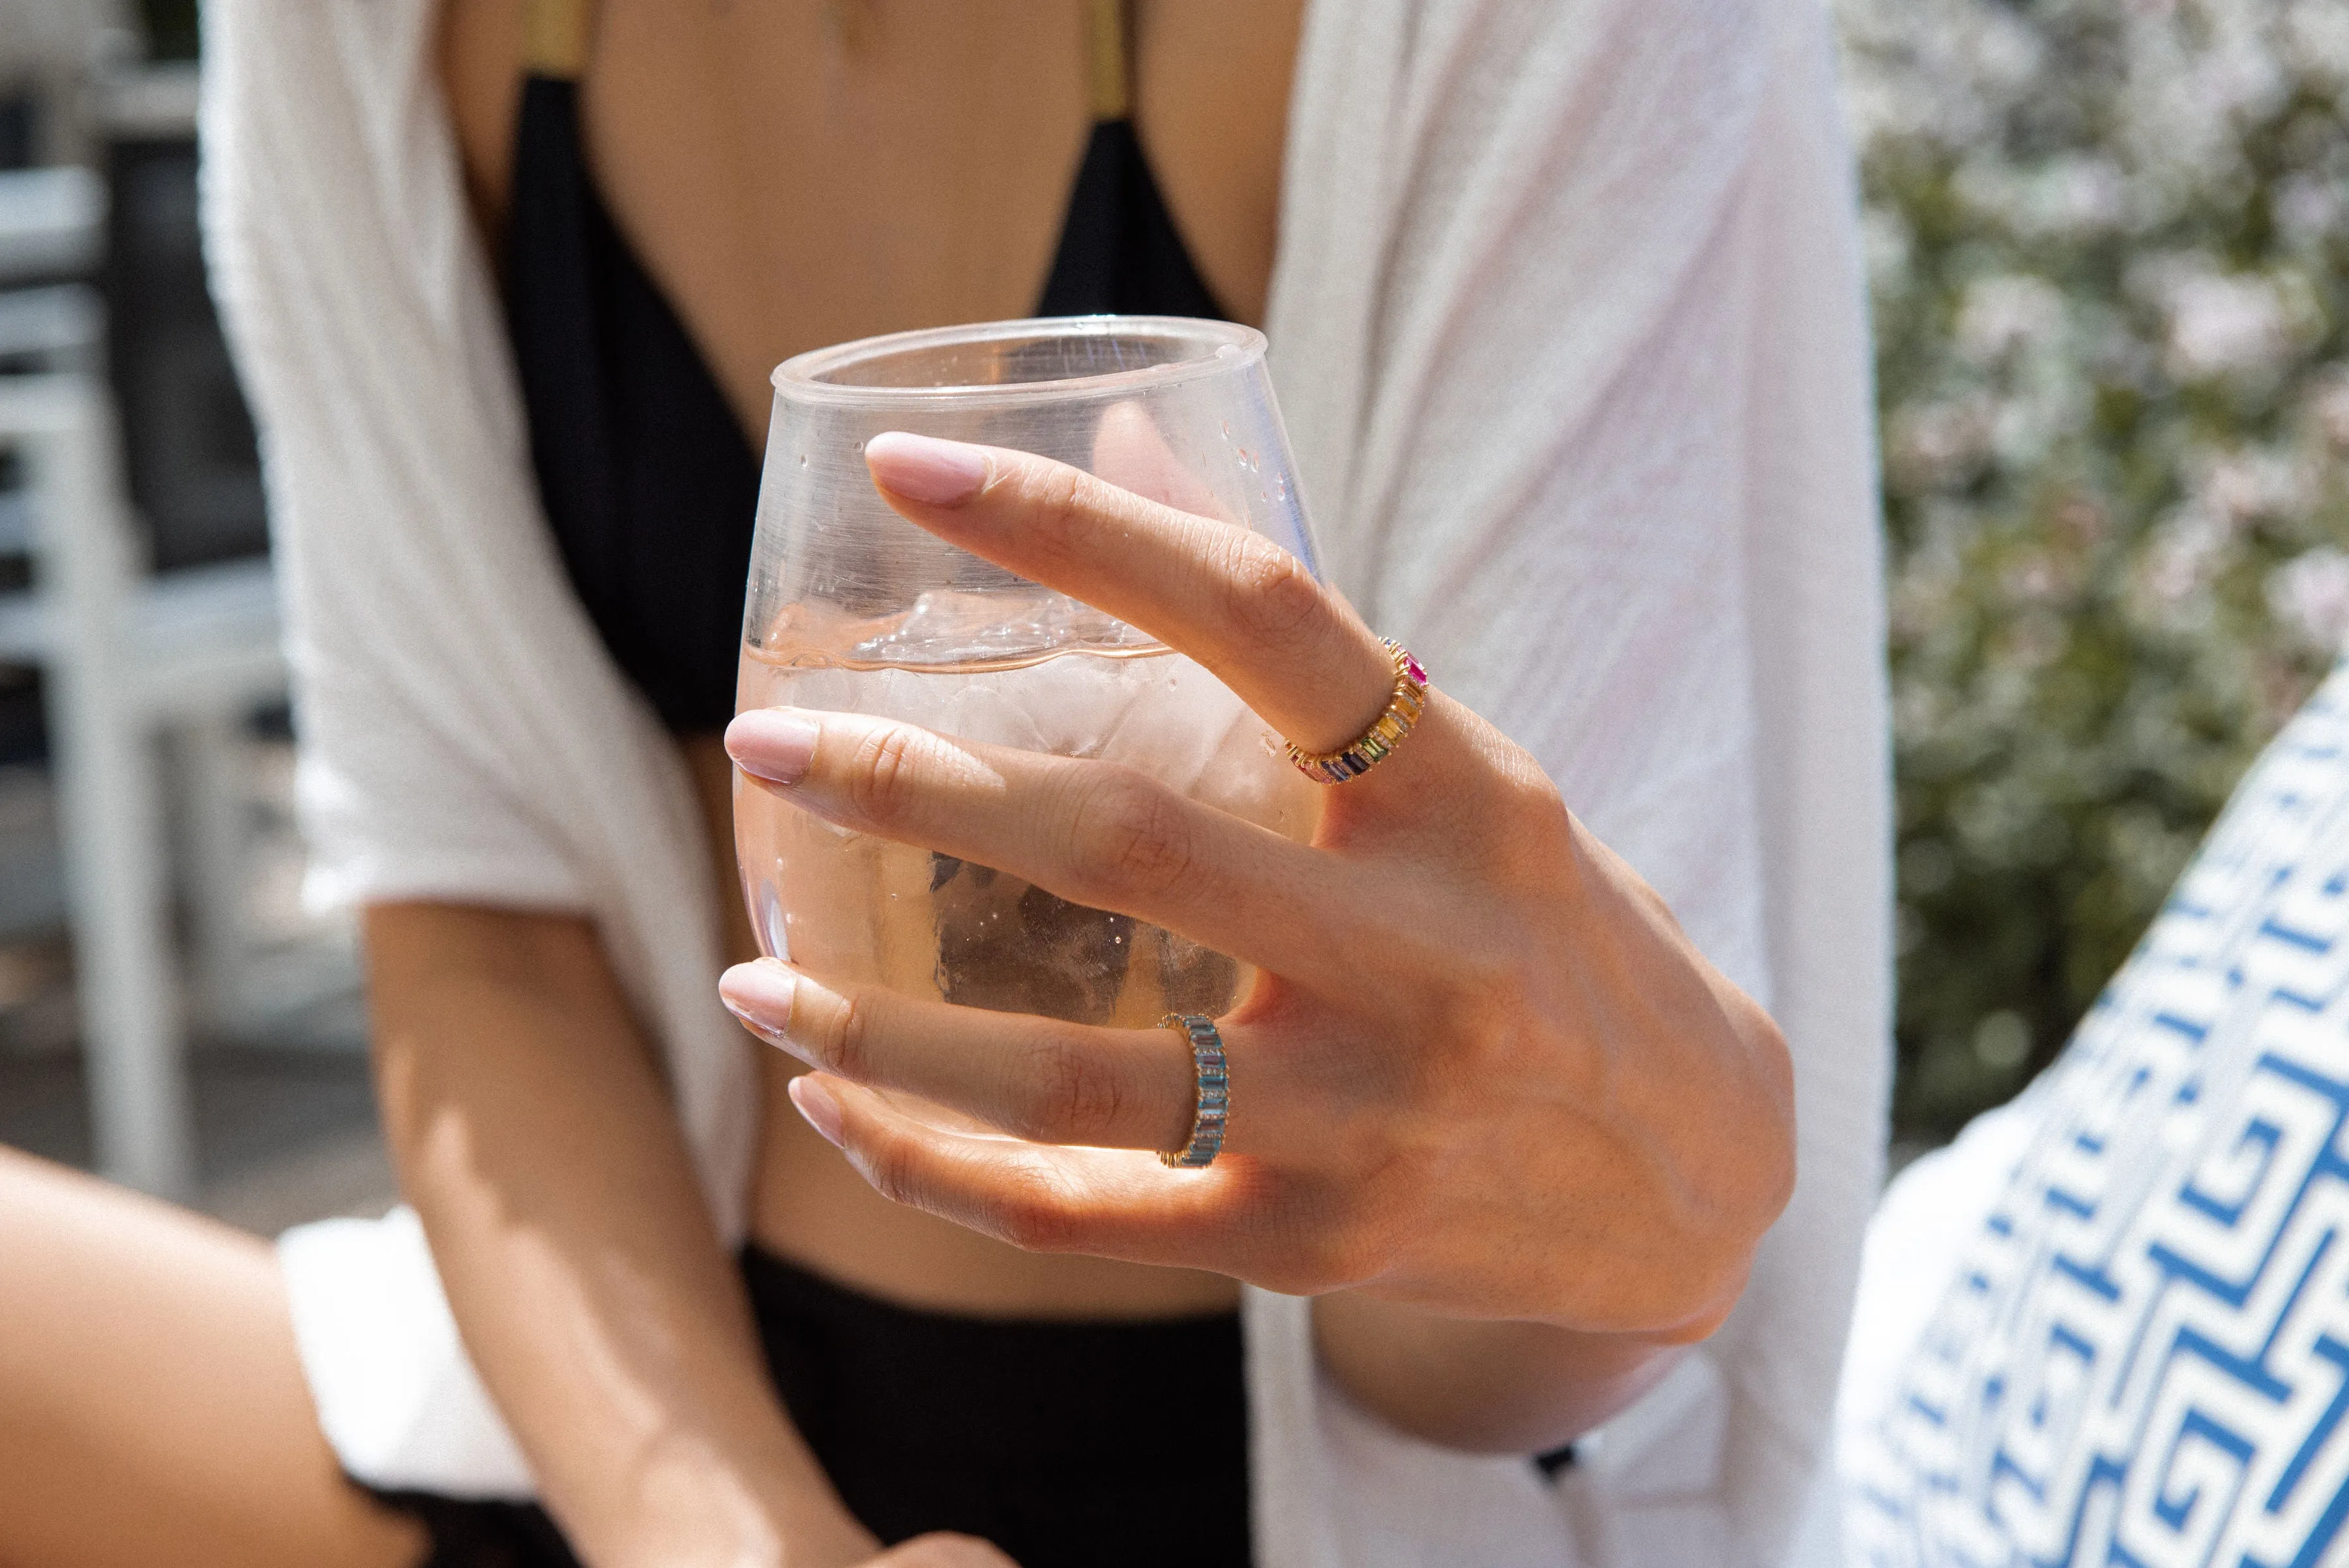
(2145, 1358)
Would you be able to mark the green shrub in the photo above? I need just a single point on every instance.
(2106, 244)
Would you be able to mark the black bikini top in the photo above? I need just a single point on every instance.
(647, 478)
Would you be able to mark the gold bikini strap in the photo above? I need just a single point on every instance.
(554, 36)
(1109, 63)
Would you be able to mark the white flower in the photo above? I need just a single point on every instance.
(2004, 314)
(2330, 404)
(1936, 446)
(2316, 40)
(2076, 196)
(2242, 487)
(2182, 560)
(2237, 80)
(1942, 70)
(2222, 326)
(1885, 240)
(2309, 593)
(2062, 198)
(2308, 207)
(2006, 52)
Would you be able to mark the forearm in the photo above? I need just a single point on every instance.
(535, 1136)
(1485, 1387)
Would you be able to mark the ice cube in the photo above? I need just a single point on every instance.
(948, 627)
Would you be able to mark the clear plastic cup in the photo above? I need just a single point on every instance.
(851, 607)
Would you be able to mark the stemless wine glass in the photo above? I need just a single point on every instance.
(851, 607)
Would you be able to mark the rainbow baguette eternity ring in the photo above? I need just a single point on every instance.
(1386, 731)
(1213, 1103)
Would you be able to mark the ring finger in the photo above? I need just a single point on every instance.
(1037, 1078)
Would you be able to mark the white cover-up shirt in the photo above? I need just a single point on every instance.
(1567, 328)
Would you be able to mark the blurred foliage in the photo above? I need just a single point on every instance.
(170, 29)
(2108, 242)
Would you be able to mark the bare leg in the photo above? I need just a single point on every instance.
(152, 1408)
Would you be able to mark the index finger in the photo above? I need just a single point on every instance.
(1291, 648)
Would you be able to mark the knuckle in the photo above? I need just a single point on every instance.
(884, 771)
(1032, 1217)
(848, 1038)
(1066, 502)
(891, 1168)
(1492, 977)
(1131, 836)
(1347, 1258)
(1378, 1206)
(1529, 810)
(1365, 1246)
(1488, 1042)
(1323, 1236)
(1273, 599)
(1072, 1093)
(1331, 1260)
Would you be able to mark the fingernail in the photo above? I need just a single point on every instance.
(923, 468)
(772, 743)
(817, 1105)
(760, 994)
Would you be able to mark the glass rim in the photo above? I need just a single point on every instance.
(1224, 345)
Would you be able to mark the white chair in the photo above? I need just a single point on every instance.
(127, 656)
(51, 221)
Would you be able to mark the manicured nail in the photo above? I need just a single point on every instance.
(817, 1105)
(760, 994)
(923, 468)
(772, 743)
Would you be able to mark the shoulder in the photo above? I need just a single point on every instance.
(273, 74)
(326, 135)
(336, 226)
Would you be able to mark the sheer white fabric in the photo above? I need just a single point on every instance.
(1567, 326)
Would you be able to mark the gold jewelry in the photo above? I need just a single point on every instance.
(1371, 747)
(1109, 71)
(555, 35)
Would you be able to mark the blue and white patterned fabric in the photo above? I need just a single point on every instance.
(2141, 1356)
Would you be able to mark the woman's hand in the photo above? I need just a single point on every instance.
(1483, 1073)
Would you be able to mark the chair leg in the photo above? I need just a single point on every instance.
(212, 795)
(117, 859)
(109, 794)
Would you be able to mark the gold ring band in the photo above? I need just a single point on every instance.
(1373, 746)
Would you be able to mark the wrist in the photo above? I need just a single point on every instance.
(1481, 1386)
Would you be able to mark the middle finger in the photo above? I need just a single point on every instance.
(1229, 598)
